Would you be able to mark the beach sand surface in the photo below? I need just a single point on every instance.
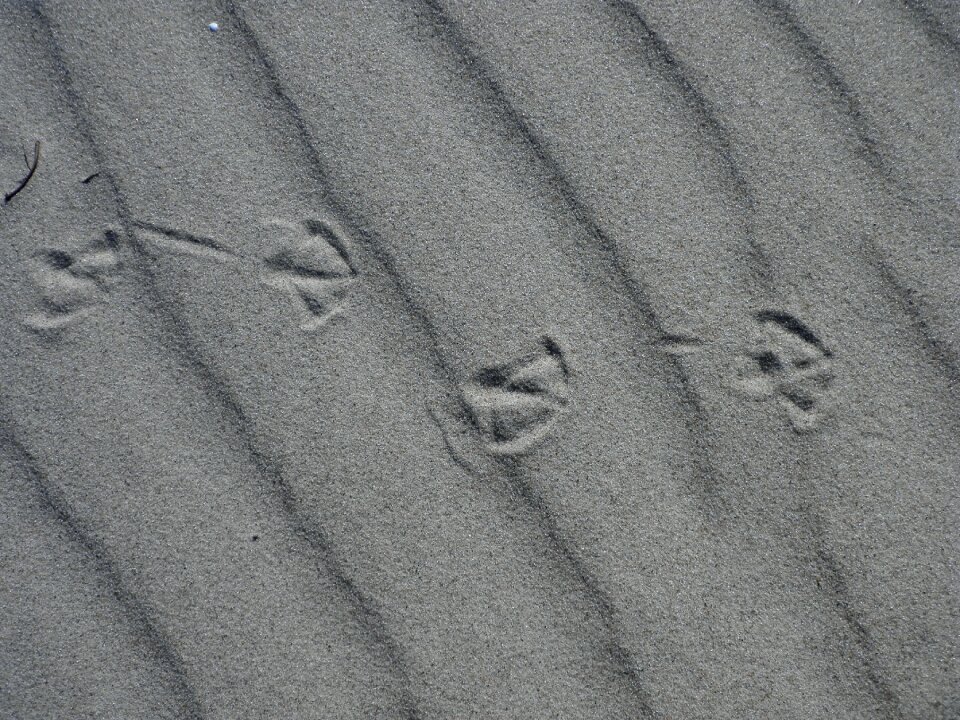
(459, 358)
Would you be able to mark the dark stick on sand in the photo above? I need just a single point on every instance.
(32, 169)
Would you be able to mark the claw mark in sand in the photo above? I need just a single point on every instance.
(515, 405)
(790, 363)
(71, 285)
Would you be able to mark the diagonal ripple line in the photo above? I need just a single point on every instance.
(703, 483)
(363, 608)
(845, 99)
(838, 588)
(57, 506)
(619, 655)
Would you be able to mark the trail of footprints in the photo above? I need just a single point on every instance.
(308, 260)
(513, 406)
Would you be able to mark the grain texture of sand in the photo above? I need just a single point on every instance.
(473, 359)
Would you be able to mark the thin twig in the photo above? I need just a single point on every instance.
(23, 183)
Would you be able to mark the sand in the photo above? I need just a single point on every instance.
(442, 359)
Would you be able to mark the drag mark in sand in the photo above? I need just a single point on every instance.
(680, 344)
(182, 241)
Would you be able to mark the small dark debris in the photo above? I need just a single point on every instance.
(255, 538)
(32, 169)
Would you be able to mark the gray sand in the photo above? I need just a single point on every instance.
(442, 359)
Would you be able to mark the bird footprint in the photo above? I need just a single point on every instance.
(514, 406)
(71, 285)
(313, 265)
(790, 364)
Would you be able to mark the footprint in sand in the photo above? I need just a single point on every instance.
(311, 262)
(789, 363)
(514, 406)
(71, 285)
